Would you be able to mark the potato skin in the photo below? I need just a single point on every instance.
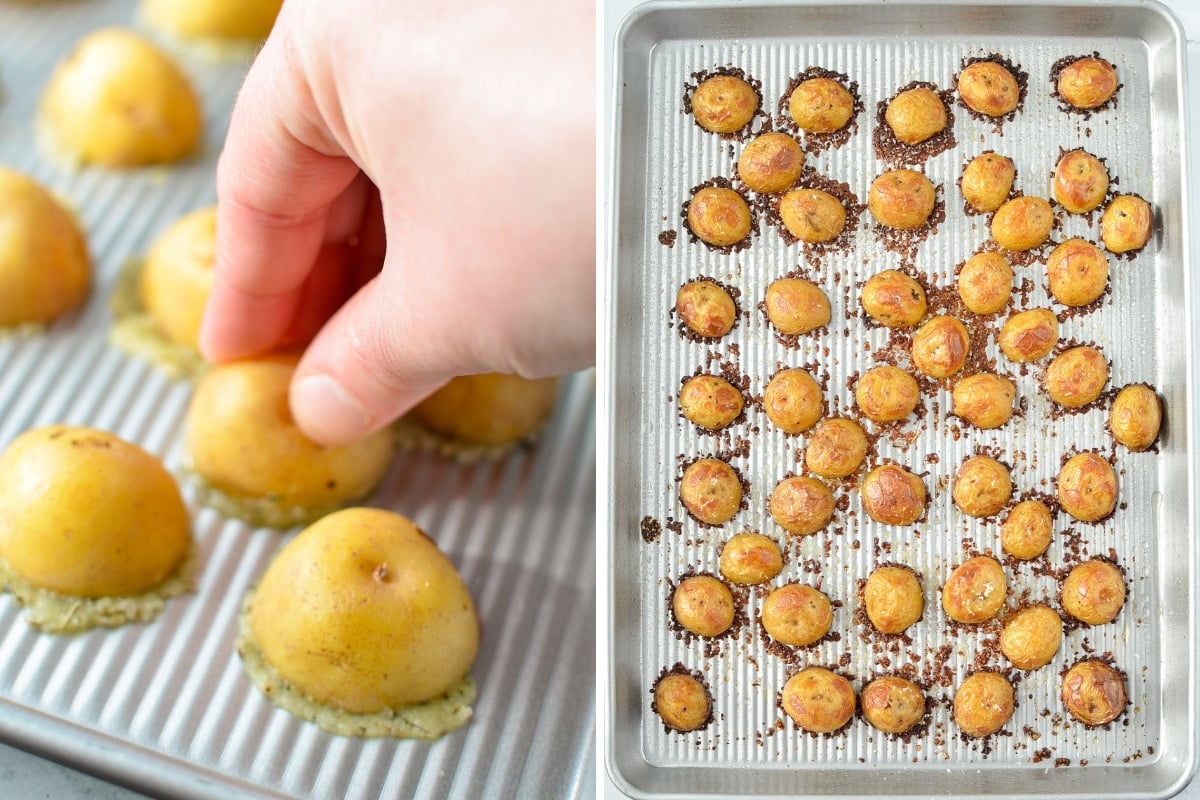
(719, 216)
(706, 309)
(1029, 335)
(801, 505)
(817, 700)
(975, 590)
(985, 283)
(901, 199)
(987, 180)
(488, 409)
(361, 611)
(1076, 377)
(177, 275)
(1094, 592)
(983, 703)
(212, 19)
(893, 599)
(724, 104)
(1136, 416)
(1087, 83)
(894, 299)
(982, 486)
(1032, 637)
(836, 448)
(242, 440)
(1027, 530)
(117, 101)
(988, 88)
(821, 105)
(1022, 223)
(1087, 487)
(813, 216)
(45, 269)
(1077, 271)
(985, 400)
(85, 513)
(1080, 181)
(681, 702)
(886, 394)
(750, 558)
(711, 491)
(892, 704)
(793, 401)
(1094, 693)
(771, 162)
(915, 115)
(1126, 224)
(703, 605)
(940, 347)
(893, 495)
(710, 401)
(795, 306)
(797, 615)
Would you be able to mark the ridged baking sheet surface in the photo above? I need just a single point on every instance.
(165, 707)
(1139, 326)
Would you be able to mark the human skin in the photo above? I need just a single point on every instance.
(342, 142)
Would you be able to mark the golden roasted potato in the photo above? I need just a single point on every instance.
(985, 400)
(985, 283)
(793, 401)
(1087, 487)
(710, 401)
(982, 486)
(901, 199)
(711, 490)
(706, 308)
(886, 393)
(488, 409)
(983, 703)
(801, 505)
(987, 181)
(719, 216)
(1076, 377)
(212, 19)
(750, 558)
(836, 448)
(45, 270)
(795, 306)
(1029, 335)
(118, 101)
(811, 215)
(1136, 416)
(85, 513)
(1094, 592)
(1032, 637)
(797, 615)
(362, 612)
(1027, 530)
(892, 704)
(894, 299)
(1080, 181)
(242, 441)
(893, 599)
(893, 495)
(940, 347)
(724, 104)
(975, 590)
(771, 162)
(1094, 693)
(915, 115)
(177, 275)
(682, 702)
(817, 700)
(1126, 224)
(1022, 223)
(988, 88)
(703, 605)
(821, 105)
(1077, 271)
(1087, 82)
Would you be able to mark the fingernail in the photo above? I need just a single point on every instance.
(328, 413)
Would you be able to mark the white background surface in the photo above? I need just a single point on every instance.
(611, 14)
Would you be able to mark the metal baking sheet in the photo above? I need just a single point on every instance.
(1144, 327)
(165, 708)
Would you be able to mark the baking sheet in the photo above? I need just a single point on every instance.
(165, 708)
(660, 155)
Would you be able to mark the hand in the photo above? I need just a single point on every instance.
(416, 180)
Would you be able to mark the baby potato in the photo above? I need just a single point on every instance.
(988, 88)
(724, 104)
(795, 306)
(1032, 637)
(793, 401)
(711, 490)
(177, 276)
(242, 441)
(1087, 83)
(1087, 487)
(703, 605)
(1027, 530)
(916, 114)
(1076, 377)
(1126, 224)
(893, 599)
(87, 514)
(821, 105)
(985, 283)
(940, 347)
(682, 702)
(983, 703)
(987, 181)
(817, 700)
(801, 505)
(362, 612)
(1094, 592)
(750, 558)
(892, 704)
(488, 409)
(836, 448)
(812, 216)
(1136, 416)
(212, 19)
(719, 216)
(982, 486)
(901, 199)
(985, 400)
(706, 308)
(1080, 181)
(1094, 693)
(771, 162)
(1029, 335)
(796, 615)
(886, 394)
(975, 590)
(1022, 223)
(118, 101)
(45, 269)
(709, 401)
(893, 495)
(893, 299)
(1077, 271)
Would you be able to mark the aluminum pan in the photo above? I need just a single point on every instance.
(165, 708)
(651, 141)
